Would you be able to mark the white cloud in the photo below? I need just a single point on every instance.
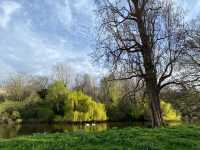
(63, 11)
(7, 8)
(84, 6)
(65, 14)
(27, 48)
(191, 8)
(26, 51)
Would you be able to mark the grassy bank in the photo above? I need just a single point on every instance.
(174, 138)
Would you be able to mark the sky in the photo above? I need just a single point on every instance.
(37, 34)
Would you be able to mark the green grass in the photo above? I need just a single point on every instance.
(172, 138)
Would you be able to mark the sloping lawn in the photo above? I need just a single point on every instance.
(174, 138)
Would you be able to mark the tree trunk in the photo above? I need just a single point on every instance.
(153, 91)
(154, 105)
(150, 73)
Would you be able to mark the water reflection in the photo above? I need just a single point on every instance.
(174, 123)
(9, 131)
(81, 127)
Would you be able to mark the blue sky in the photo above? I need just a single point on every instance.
(37, 34)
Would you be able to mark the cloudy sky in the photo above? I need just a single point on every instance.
(37, 34)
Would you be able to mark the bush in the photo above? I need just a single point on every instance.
(44, 114)
(58, 118)
(124, 110)
(15, 115)
(10, 106)
(114, 113)
(127, 110)
(38, 110)
(169, 113)
(37, 113)
(9, 112)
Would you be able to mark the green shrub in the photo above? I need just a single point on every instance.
(15, 115)
(114, 114)
(29, 113)
(32, 99)
(44, 114)
(37, 110)
(10, 106)
(58, 118)
(9, 112)
(38, 113)
(139, 110)
(126, 110)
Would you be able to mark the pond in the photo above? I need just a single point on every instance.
(10, 131)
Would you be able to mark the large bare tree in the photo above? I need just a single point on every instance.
(148, 40)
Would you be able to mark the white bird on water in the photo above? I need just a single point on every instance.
(87, 124)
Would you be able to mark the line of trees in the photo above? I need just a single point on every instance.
(87, 99)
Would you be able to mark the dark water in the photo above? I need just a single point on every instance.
(10, 131)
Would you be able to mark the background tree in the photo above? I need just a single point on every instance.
(86, 84)
(18, 87)
(57, 93)
(62, 72)
(186, 101)
(39, 82)
(40, 85)
(147, 40)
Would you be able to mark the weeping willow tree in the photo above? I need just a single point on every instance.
(80, 107)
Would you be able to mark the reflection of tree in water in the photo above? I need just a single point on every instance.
(80, 127)
(8, 131)
(97, 128)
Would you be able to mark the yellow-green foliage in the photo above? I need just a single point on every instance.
(80, 107)
(9, 111)
(169, 113)
(57, 91)
(139, 109)
(10, 106)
